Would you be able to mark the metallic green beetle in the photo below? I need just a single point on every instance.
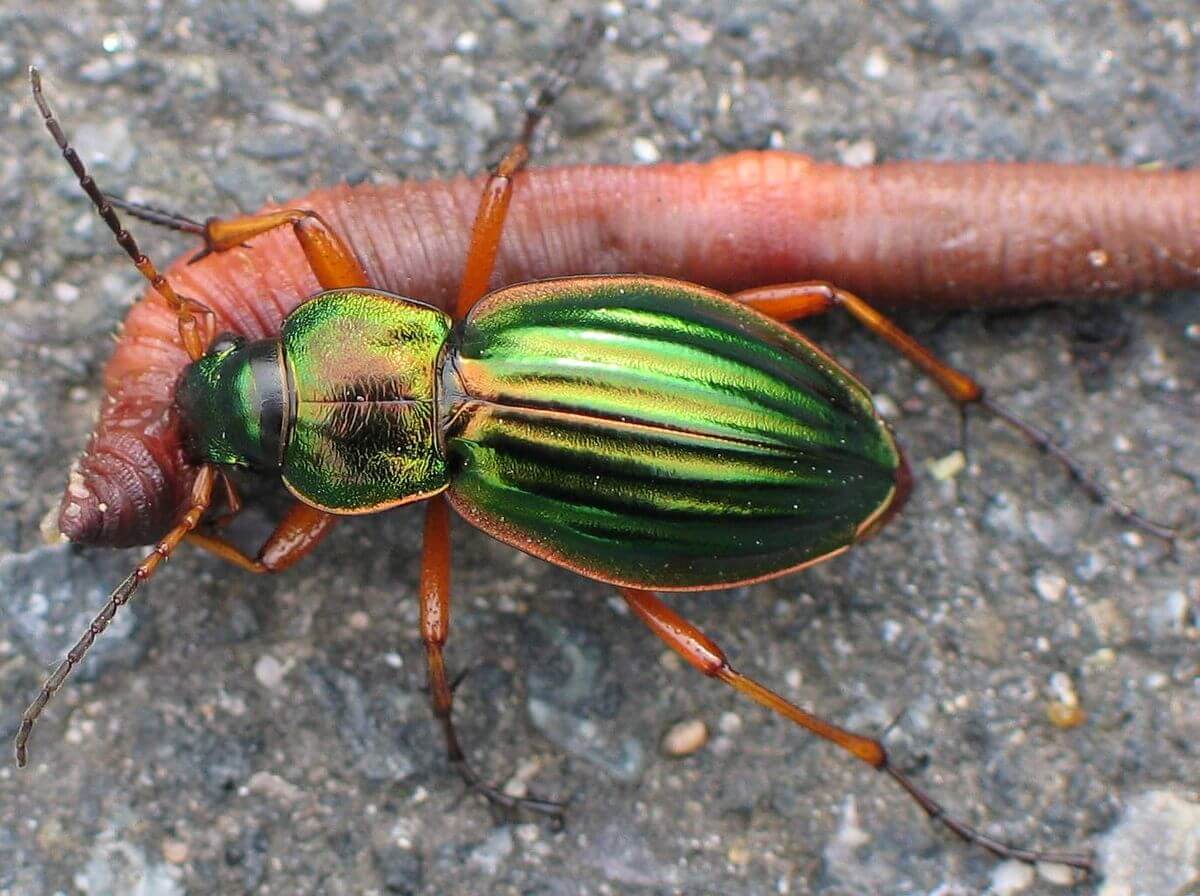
(643, 432)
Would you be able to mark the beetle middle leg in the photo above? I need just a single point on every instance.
(497, 191)
(795, 301)
(704, 654)
(435, 629)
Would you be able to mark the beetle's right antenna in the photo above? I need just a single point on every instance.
(202, 490)
(188, 312)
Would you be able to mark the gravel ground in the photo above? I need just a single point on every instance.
(240, 735)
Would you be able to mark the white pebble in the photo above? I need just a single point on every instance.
(730, 723)
(66, 292)
(876, 66)
(1059, 875)
(685, 738)
(1063, 689)
(269, 671)
(859, 154)
(1010, 878)
(645, 151)
(947, 467)
(886, 406)
(467, 42)
(309, 7)
(1050, 586)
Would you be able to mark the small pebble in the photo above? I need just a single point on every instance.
(739, 854)
(645, 151)
(947, 467)
(1050, 586)
(309, 7)
(1059, 875)
(859, 154)
(876, 66)
(685, 738)
(269, 671)
(886, 406)
(8, 290)
(1010, 878)
(1063, 689)
(66, 292)
(467, 42)
(1062, 715)
(730, 723)
(175, 851)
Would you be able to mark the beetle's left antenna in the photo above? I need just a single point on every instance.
(195, 320)
(202, 490)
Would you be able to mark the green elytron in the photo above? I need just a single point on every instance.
(644, 432)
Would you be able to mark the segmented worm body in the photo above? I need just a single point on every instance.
(904, 234)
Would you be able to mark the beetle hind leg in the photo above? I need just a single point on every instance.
(795, 301)
(435, 629)
(702, 653)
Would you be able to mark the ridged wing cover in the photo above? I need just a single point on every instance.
(363, 369)
(651, 433)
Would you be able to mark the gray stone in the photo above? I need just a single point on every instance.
(1154, 847)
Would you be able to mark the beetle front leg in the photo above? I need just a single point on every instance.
(702, 653)
(796, 301)
(302, 528)
(435, 629)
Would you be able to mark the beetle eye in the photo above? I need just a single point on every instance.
(226, 342)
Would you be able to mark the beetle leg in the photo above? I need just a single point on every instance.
(302, 528)
(794, 301)
(435, 628)
(702, 653)
(202, 490)
(332, 260)
(497, 191)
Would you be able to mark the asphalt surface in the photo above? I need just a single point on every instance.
(235, 734)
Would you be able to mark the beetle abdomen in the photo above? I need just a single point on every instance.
(652, 433)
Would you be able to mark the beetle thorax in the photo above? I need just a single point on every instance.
(343, 405)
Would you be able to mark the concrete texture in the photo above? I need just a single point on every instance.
(272, 736)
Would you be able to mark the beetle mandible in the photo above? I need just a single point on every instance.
(576, 419)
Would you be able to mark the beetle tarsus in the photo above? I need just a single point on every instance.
(938, 814)
(502, 800)
(1042, 441)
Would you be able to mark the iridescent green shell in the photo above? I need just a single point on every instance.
(651, 433)
(363, 367)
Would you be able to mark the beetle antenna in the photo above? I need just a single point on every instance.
(583, 32)
(202, 490)
(188, 312)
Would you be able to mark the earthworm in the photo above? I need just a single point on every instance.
(906, 234)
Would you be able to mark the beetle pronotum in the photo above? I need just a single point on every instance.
(226, 374)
